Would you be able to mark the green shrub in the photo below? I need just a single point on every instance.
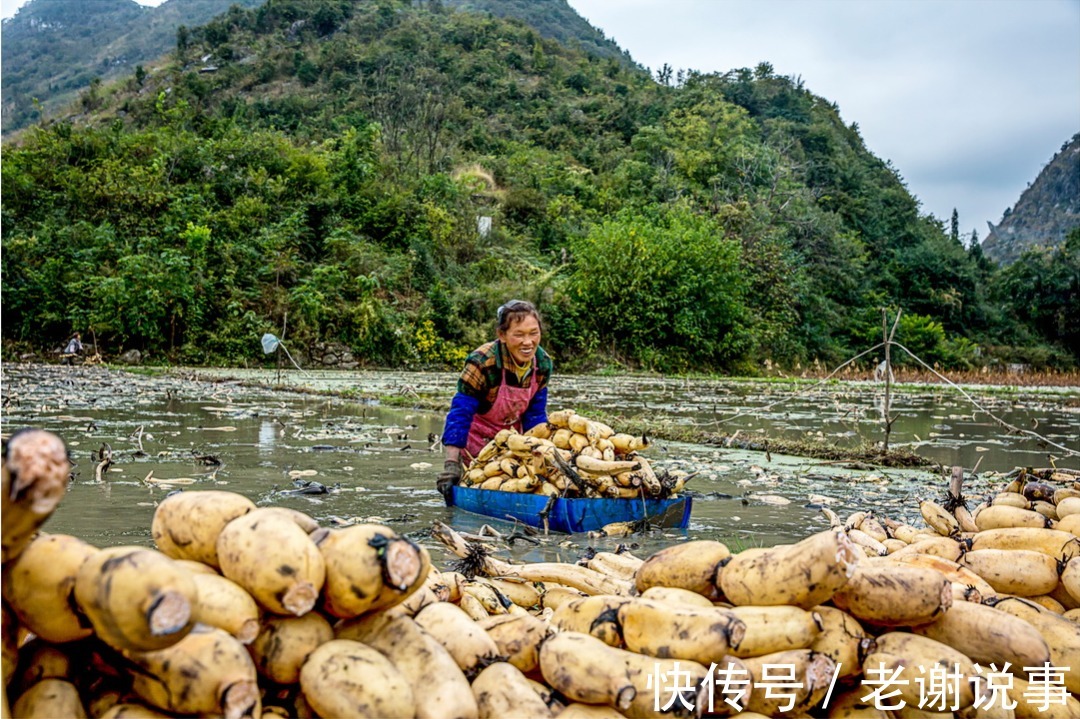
(665, 285)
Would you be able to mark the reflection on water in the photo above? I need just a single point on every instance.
(267, 436)
(378, 463)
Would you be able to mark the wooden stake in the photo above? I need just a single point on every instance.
(888, 337)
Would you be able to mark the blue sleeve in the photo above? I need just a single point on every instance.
(459, 420)
(536, 412)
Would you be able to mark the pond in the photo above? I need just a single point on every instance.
(231, 430)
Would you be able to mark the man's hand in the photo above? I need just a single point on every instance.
(450, 476)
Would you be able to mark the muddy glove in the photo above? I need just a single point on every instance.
(450, 476)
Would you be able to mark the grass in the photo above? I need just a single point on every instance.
(138, 370)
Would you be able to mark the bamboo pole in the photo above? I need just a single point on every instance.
(887, 336)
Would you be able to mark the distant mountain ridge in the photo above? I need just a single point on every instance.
(52, 49)
(554, 19)
(1046, 211)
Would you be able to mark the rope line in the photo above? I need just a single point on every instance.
(1011, 428)
(1003, 423)
(740, 413)
(282, 346)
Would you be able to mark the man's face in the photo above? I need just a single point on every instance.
(522, 339)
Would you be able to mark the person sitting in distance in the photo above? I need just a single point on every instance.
(72, 350)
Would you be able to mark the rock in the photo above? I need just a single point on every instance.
(1045, 212)
(331, 354)
(131, 357)
(295, 28)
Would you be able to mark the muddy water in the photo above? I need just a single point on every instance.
(937, 421)
(198, 430)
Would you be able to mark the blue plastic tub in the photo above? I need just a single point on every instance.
(571, 515)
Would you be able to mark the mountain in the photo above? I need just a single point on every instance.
(1046, 211)
(384, 174)
(552, 19)
(54, 48)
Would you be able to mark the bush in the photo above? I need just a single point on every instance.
(927, 339)
(664, 288)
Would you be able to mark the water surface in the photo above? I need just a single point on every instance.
(220, 430)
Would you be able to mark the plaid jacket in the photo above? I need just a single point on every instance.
(479, 385)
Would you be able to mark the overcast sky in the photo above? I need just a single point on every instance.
(968, 99)
(8, 7)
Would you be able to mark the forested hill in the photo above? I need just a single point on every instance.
(319, 168)
(553, 19)
(53, 48)
(1045, 213)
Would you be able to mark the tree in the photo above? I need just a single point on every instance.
(697, 220)
(663, 75)
(983, 264)
(1041, 291)
(663, 287)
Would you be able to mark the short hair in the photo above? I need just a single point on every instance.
(515, 311)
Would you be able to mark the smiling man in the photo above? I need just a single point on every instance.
(503, 385)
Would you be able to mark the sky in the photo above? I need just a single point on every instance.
(968, 99)
(8, 7)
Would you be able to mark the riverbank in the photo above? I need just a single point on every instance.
(1018, 376)
(1002, 377)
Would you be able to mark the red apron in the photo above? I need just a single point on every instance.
(510, 403)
